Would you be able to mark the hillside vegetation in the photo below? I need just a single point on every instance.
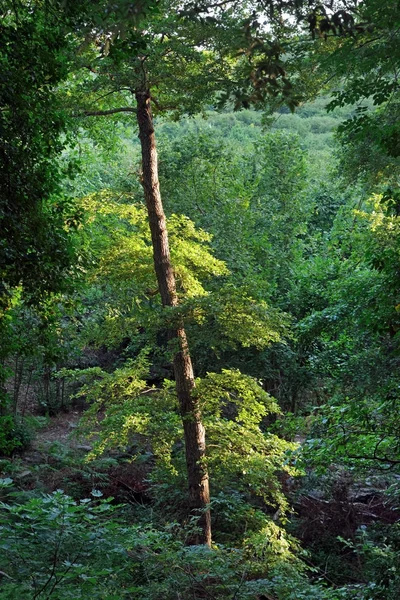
(199, 376)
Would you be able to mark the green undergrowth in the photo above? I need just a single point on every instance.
(56, 547)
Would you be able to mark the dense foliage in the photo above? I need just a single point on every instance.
(284, 240)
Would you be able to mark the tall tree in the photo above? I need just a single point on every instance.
(194, 432)
(179, 59)
(139, 69)
(177, 65)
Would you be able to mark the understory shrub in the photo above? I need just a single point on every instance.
(52, 547)
(16, 434)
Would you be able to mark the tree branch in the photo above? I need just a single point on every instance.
(103, 113)
(383, 459)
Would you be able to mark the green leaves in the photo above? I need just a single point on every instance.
(127, 257)
(53, 546)
(234, 319)
(240, 454)
(351, 341)
(37, 247)
(118, 238)
(364, 67)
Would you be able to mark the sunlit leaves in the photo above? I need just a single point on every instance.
(239, 454)
(118, 240)
(233, 318)
(121, 239)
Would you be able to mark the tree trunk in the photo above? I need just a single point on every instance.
(199, 495)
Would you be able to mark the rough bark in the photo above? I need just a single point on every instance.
(194, 432)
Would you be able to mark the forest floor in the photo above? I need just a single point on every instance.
(61, 428)
(57, 459)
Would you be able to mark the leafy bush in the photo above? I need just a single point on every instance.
(15, 434)
(378, 550)
(55, 548)
(240, 455)
(52, 546)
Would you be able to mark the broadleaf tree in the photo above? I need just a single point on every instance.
(176, 65)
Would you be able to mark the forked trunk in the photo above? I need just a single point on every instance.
(199, 495)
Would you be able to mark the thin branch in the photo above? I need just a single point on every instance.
(113, 92)
(384, 459)
(204, 7)
(103, 113)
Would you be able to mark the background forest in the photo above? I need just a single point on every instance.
(248, 341)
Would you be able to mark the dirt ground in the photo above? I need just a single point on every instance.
(61, 428)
